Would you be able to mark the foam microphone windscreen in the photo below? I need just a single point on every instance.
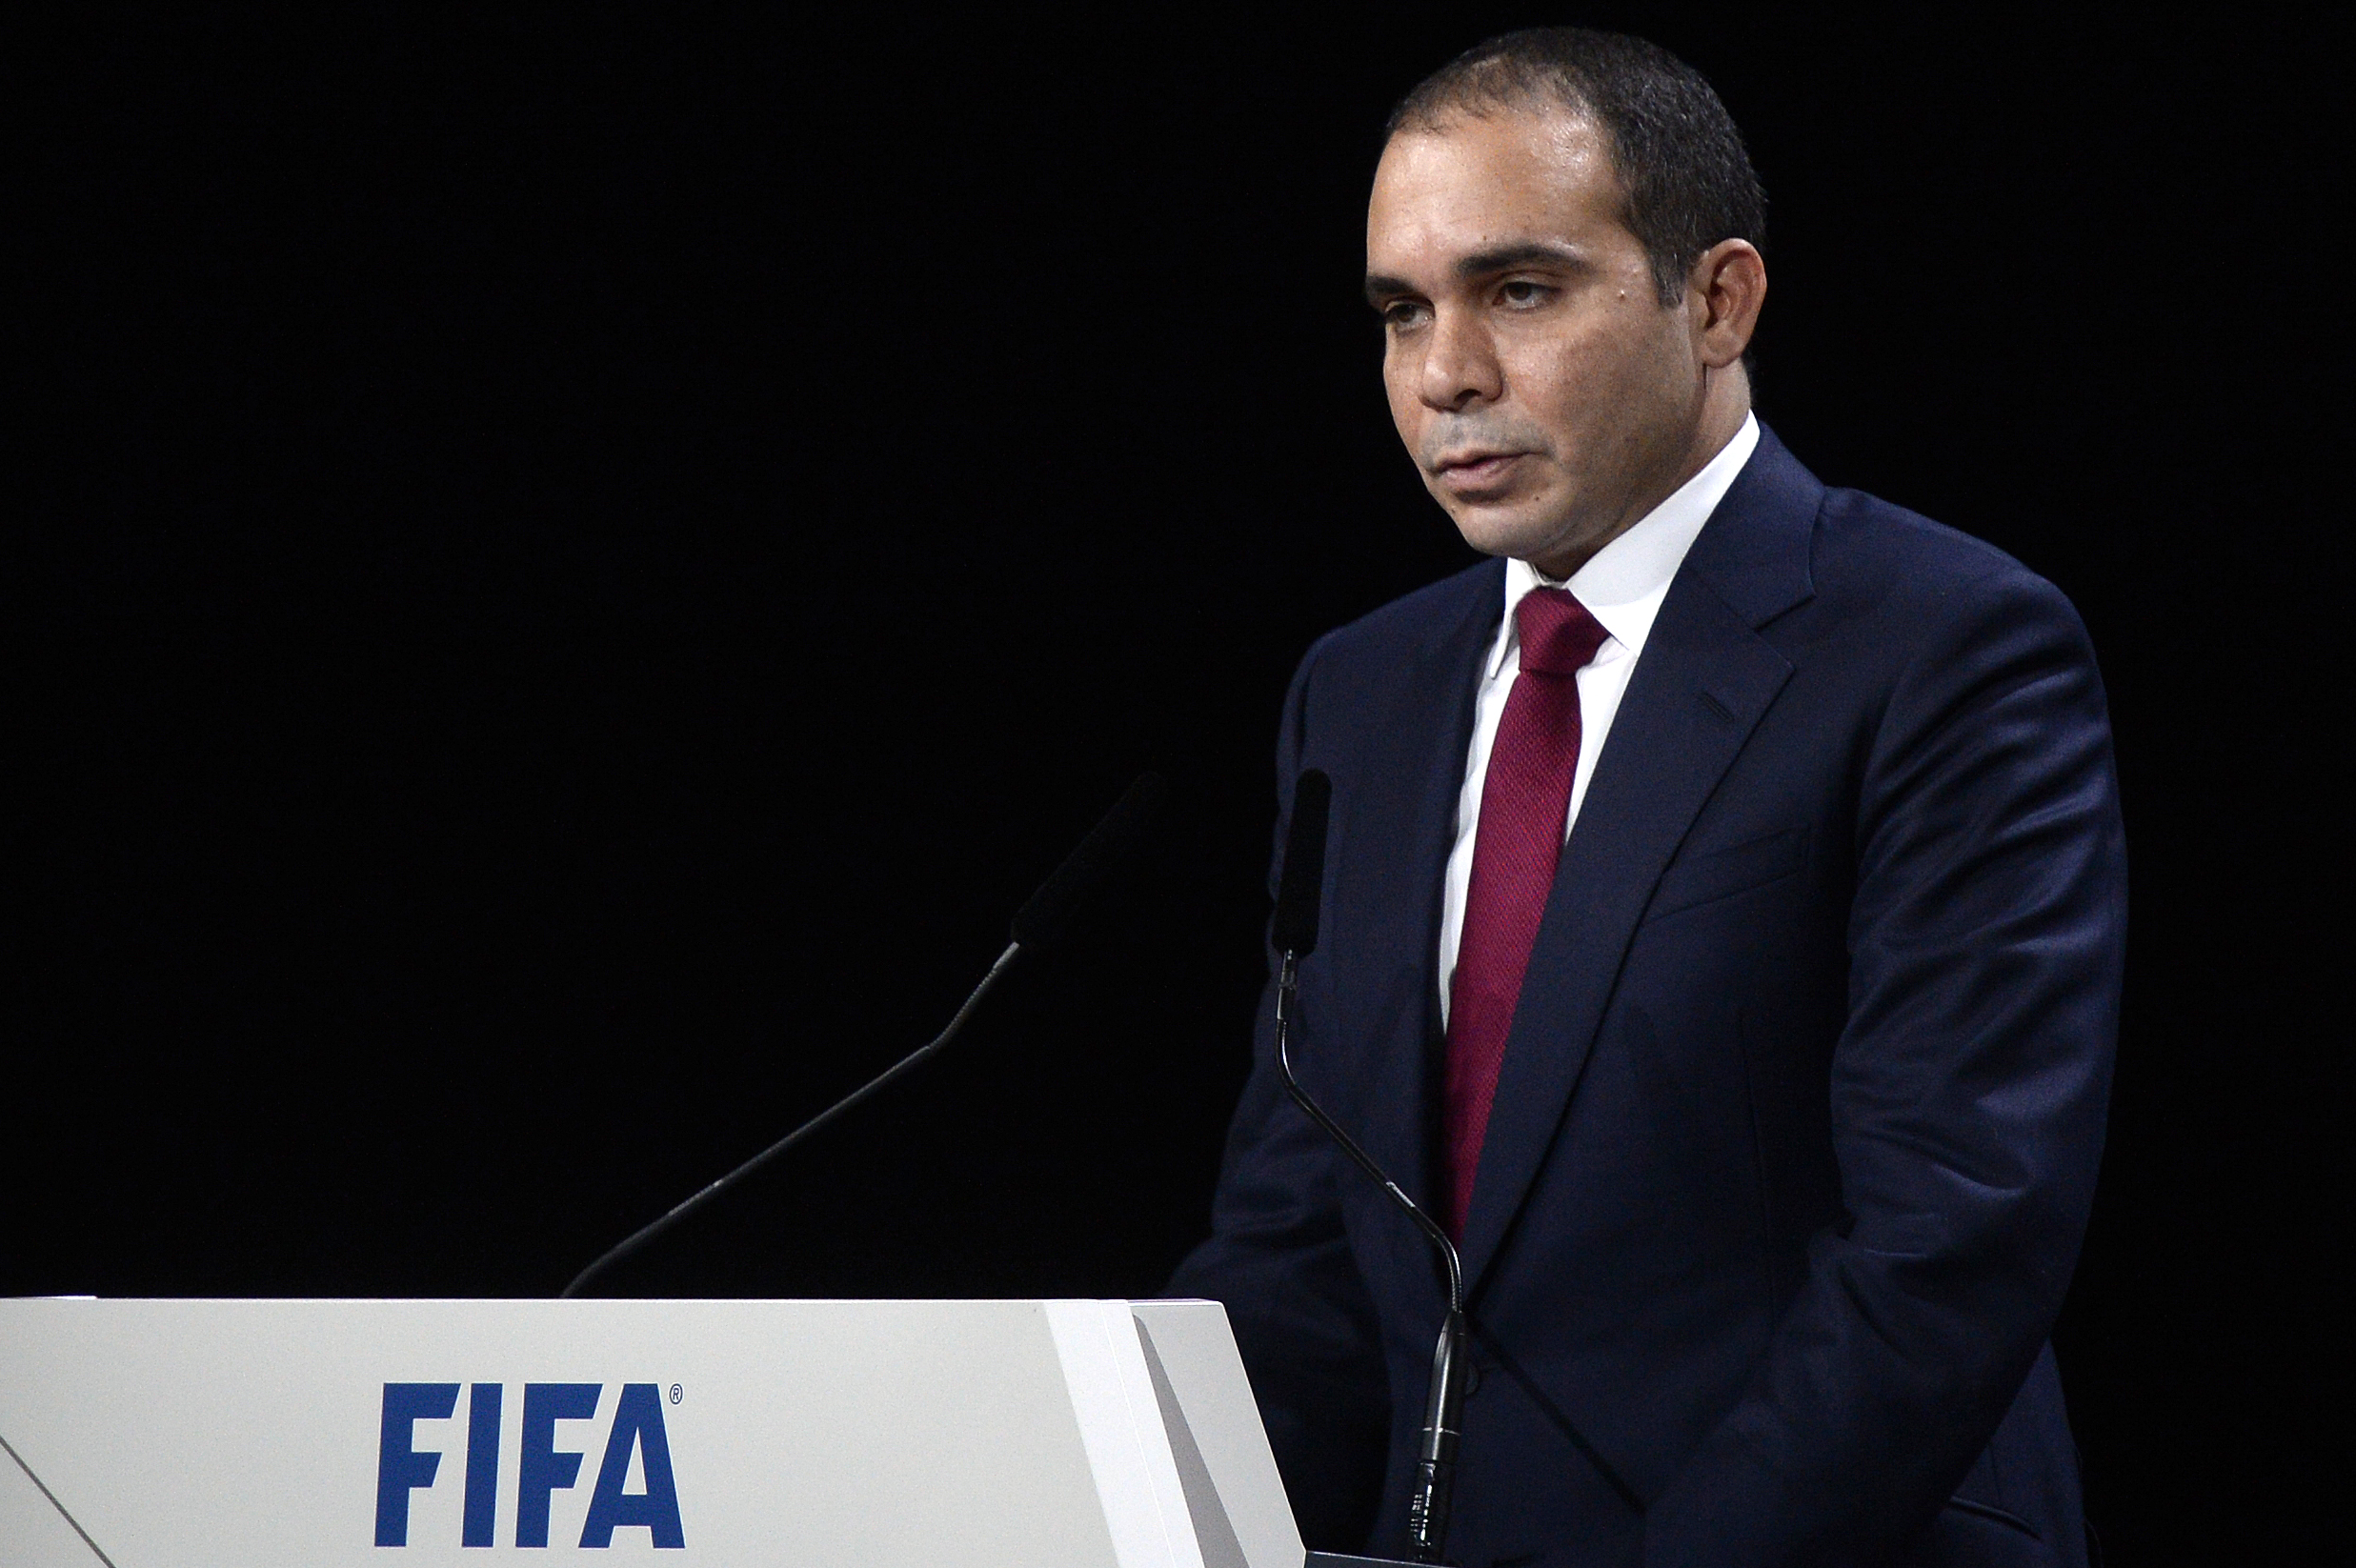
(1304, 886)
(1040, 922)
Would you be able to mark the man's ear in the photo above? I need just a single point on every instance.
(1724, 292)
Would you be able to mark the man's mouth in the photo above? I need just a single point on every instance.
(1472, 472)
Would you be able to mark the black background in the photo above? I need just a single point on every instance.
(569, 573)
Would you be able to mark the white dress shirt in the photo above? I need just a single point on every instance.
(1621, 587)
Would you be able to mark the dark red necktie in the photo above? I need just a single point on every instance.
(1525, 800)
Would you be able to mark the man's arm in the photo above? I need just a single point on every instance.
(1968, 1097)
(1279, 1258)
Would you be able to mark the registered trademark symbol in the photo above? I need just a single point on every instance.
(676, 1393)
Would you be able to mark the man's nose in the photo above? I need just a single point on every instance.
(1460, 368)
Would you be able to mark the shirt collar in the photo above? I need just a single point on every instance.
(1623, 583)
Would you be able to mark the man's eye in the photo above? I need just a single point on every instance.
(1523, 295)
(1402, 313)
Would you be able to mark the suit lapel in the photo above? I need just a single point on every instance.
(1702, 684)
(1396, 829)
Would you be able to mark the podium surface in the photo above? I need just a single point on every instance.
(1103, 1434)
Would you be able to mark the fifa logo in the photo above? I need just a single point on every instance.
(542, 1470)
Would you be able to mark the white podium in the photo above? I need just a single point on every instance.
(1021, 1434)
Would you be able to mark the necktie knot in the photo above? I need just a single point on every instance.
(1558, 636)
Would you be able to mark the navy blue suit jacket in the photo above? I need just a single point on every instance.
(1799, 1114)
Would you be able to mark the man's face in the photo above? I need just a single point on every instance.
(1547, 396)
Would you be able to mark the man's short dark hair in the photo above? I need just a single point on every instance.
(1686, 177)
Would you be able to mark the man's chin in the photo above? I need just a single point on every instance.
(1506, 530)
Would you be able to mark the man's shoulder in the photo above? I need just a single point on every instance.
(1862, 537)
(1873, 557)
(1419, 622)
(1371, 663)
(1849, 554)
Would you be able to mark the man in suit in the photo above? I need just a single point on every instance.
(1724, 915)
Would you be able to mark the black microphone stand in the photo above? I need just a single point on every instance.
(1427, 1509)
(648, 1232)
(1040, 923)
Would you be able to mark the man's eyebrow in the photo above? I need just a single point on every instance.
(1502, 259)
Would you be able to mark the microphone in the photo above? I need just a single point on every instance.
(1294, 932)
(1038, 924)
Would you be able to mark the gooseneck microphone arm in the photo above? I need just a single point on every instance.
(1294, 931)
(1287, 985)
(649, 1232)
(1039, 923)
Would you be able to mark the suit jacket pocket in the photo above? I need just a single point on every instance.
(1721, 873)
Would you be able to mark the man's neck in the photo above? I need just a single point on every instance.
(1727, 404)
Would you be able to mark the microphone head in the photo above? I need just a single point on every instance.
(1302, 890)
(1040, 922)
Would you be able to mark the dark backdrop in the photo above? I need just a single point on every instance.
(568, 575)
